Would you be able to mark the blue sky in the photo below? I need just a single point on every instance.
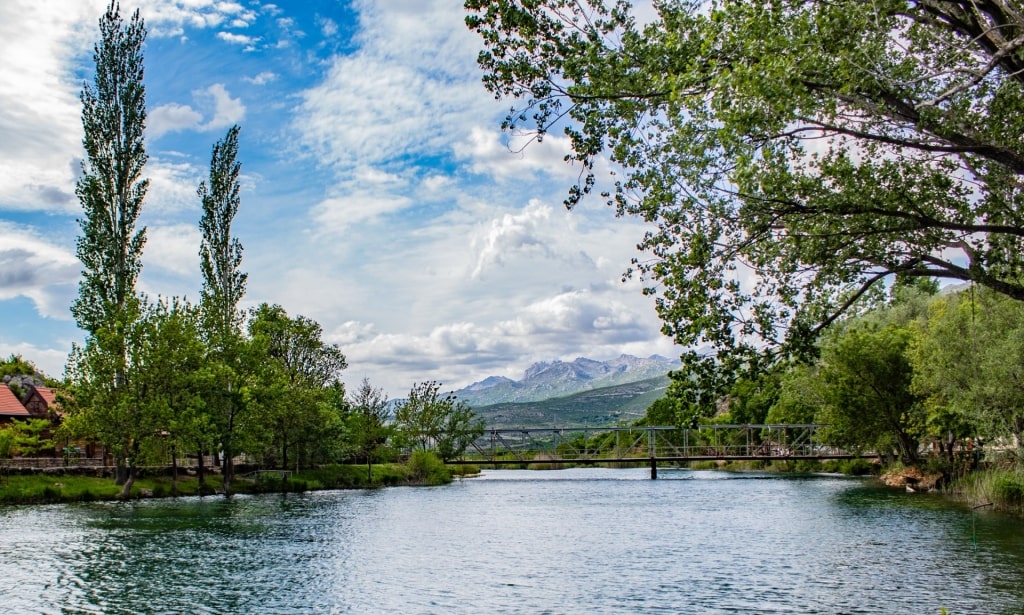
(379, 196)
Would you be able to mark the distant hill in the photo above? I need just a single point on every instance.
(594, 408)
(557, 379)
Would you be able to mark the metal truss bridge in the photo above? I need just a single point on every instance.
(651, 445)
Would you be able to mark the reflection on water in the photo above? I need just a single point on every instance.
(569, 541)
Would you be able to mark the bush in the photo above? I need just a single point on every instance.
(858, 467)
(1002, 487)
(1008, 490)
(424, 467)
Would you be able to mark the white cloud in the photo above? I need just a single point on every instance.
(488, 154)
(216, 100)
(173, 248)
(576, 323)
(50, 360)
(328, 27)
(172, 189)
(226, 110)
(171, 117)
(238, 39)
(32, 267)
(39, 106)
(261, 79)
(513, 233)
(336, 214)
(406, 91)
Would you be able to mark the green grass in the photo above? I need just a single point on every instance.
(48, 488)
(1003, 488)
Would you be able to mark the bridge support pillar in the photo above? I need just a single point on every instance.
(654, 469)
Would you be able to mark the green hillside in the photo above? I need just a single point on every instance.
(608, 406)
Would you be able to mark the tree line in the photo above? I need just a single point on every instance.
(165, 378)
(927, 377)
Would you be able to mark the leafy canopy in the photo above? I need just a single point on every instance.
(792, 156)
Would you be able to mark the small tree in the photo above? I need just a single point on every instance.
(428, 418)
(460, 427)
(866, 374)
(368, 430)
(298, 374)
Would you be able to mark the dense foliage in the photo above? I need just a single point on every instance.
(933, 376)
(793, 156)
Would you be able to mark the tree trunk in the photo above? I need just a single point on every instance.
(201, 470)
(126, 490)
(174, 471)
(120, 471)
(130, 462)
(284, 452)
(227, 468)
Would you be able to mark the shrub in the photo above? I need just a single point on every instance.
(1008, 490)
(858, 467)
(426, 468)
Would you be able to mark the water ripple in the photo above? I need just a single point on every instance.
(573, 541)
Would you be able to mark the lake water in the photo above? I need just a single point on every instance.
(572, 541)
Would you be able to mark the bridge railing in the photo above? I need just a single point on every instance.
(593, 444)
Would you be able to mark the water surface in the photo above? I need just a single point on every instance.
(572, 541)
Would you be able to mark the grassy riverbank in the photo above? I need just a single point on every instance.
(1000, 488)
(46, 488)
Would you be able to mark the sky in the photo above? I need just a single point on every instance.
(379, 195)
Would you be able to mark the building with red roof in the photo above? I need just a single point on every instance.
(40, 402)
(11, 407)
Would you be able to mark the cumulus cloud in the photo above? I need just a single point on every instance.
(50, 360)
(336, 214)
(39, 106)
(32, 267)
(223, 111)
(513, 233)
(172, 188)
(172, 118)
(328, 27)
(165, 19)
(596, 324)
(226, 110)
(261, 79)
(173, 248)
(238, 39)
(487, 153)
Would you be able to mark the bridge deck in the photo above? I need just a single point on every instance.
(653, 445)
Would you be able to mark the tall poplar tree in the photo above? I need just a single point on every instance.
(223, 288)
(111, 191)
(221, 253)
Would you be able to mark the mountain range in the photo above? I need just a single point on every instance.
(615, 405)
(555, 379)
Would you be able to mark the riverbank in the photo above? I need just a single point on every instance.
(997, 488)
(56, 486)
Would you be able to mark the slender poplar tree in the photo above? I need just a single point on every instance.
(111, 191)
(220, 253)
(223, 288)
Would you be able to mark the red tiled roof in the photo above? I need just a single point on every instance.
(9, 403)
(48, 395)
